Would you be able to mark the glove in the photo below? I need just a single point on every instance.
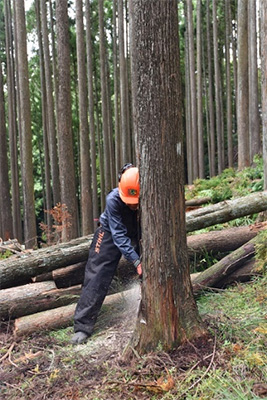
(139, 269)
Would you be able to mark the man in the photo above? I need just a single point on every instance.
(118, 227)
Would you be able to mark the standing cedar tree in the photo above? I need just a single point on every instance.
(168, 314)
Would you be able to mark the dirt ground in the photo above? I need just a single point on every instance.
(45, 366)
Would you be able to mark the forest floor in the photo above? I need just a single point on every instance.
(229, 364)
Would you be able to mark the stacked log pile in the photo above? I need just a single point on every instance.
(39, 288)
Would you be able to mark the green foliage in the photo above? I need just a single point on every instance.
(5, 255)
(229, 184)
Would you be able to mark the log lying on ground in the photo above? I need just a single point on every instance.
(63, 316)
(223, 241)
(226, 211)
(216, 274)
(35, 297)
(57, 318)
(14, 270)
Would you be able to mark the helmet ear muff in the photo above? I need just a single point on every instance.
(124, 168)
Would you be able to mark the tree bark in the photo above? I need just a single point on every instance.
(57, 318)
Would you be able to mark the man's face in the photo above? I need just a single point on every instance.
(133, 206)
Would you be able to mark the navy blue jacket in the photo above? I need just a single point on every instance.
(122, 222)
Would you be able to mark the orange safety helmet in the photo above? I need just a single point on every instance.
(129, 187)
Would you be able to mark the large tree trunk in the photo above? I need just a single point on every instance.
(168, 314)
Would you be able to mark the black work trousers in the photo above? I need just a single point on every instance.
(101, 266)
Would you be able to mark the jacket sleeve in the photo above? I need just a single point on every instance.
(119, 233)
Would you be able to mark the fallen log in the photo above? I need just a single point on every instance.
(35, 297)
(243, 274)
(216, 274)
(224, 240)
(60, 317)
(15, 269)
(226, 211)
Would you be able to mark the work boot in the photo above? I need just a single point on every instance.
(79, 337)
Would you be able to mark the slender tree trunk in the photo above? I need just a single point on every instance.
(90, 75)
(212, 142)
(217, 87)
(6, 225)
(86, 189)
(168, 313)
(263, 9)
(243, 94)
(105, 126)
(117, 114)
(200, 94)
(30, 234)
(193, 89)
(188, 115)
(65, 139)
(47, 173)
(228, 87)
(254, 117)
(123, 87)
(12, 126)
(51, 125)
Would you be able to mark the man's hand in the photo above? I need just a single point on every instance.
(139, 269)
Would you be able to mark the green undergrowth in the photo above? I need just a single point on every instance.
(229, 184)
